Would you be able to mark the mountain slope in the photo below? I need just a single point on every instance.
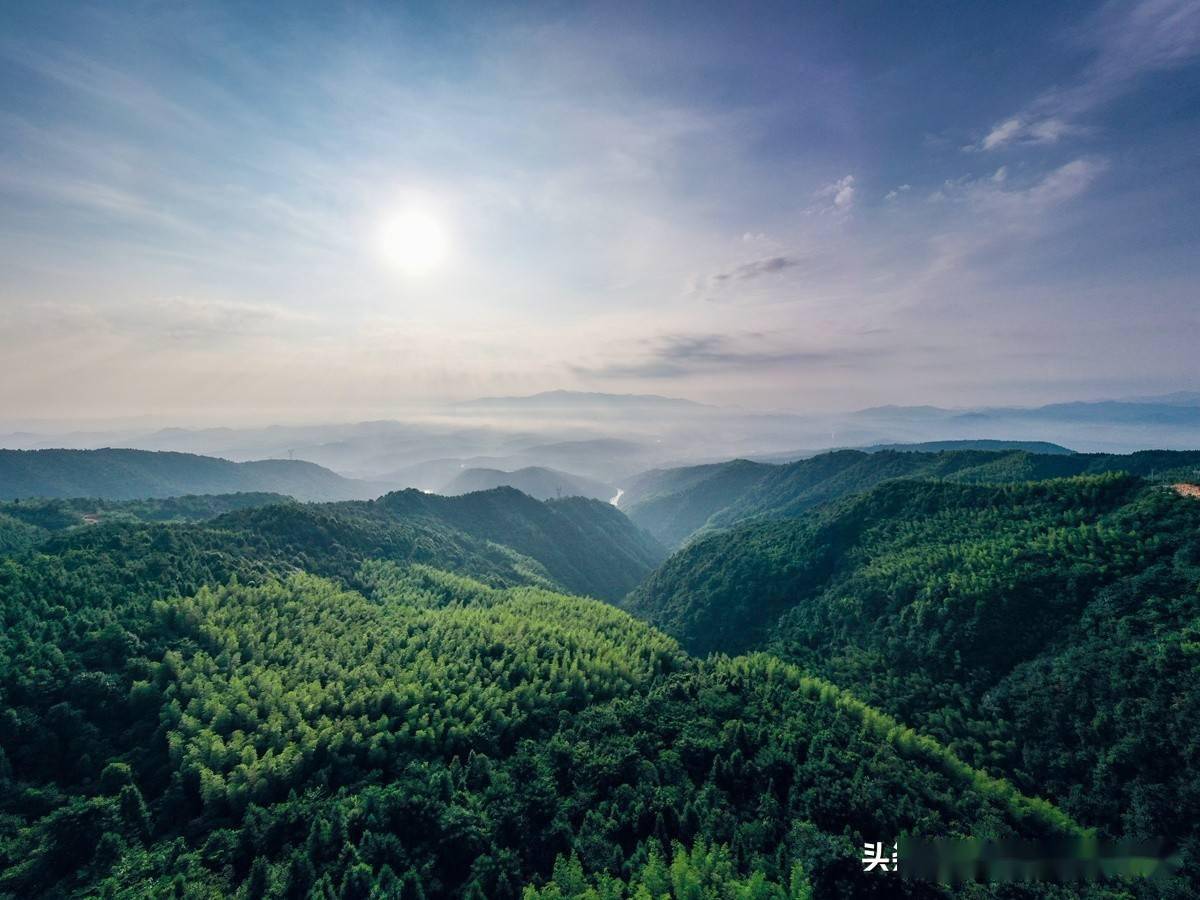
(431, 736)
(135, 474)
(988, 616)
(672, 504)
(536, 481)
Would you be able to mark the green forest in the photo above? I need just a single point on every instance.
(491, 696)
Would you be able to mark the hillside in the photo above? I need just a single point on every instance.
(954, 606)
(26, 523)
(430, 736)
(136, 474)
(674, 504)
(536, 481)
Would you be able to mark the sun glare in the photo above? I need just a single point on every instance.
(413, 241)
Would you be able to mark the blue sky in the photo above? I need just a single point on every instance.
(806, 206)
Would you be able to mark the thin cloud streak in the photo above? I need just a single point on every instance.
(1128, 41)
(686, 355)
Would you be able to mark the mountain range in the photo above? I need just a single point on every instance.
(676, 504)
(612, 437)
(491, 695)
(113, 474)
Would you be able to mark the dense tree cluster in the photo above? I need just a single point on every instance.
(78, 609)
(298, 682)
(702, 871)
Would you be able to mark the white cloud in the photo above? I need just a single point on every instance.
(1028, 202)
(1026, 130)
(1066, 182)
(840, 193)
(845, 192)
(1002, 134)
(1048, 131)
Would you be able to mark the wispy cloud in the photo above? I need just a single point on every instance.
(1026, 202)
(756, 269)
(1128, 41)
(684, 355)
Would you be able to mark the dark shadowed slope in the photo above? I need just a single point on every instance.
(587, 546)
(672, 504)
(113, 474)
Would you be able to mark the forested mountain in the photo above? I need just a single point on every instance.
(1047, 631)
(135, 474)
(673, 504)
(293, 701)
(536, 481)
(402, 698)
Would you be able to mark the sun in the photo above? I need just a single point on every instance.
(413, 241)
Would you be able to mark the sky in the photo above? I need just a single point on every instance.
(345, 209)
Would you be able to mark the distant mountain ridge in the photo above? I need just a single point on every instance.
(116, 474)
(1179, 408)
(585, 399)
(675, 504)
(610, 437)
(537, 481)
(1045, 447)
